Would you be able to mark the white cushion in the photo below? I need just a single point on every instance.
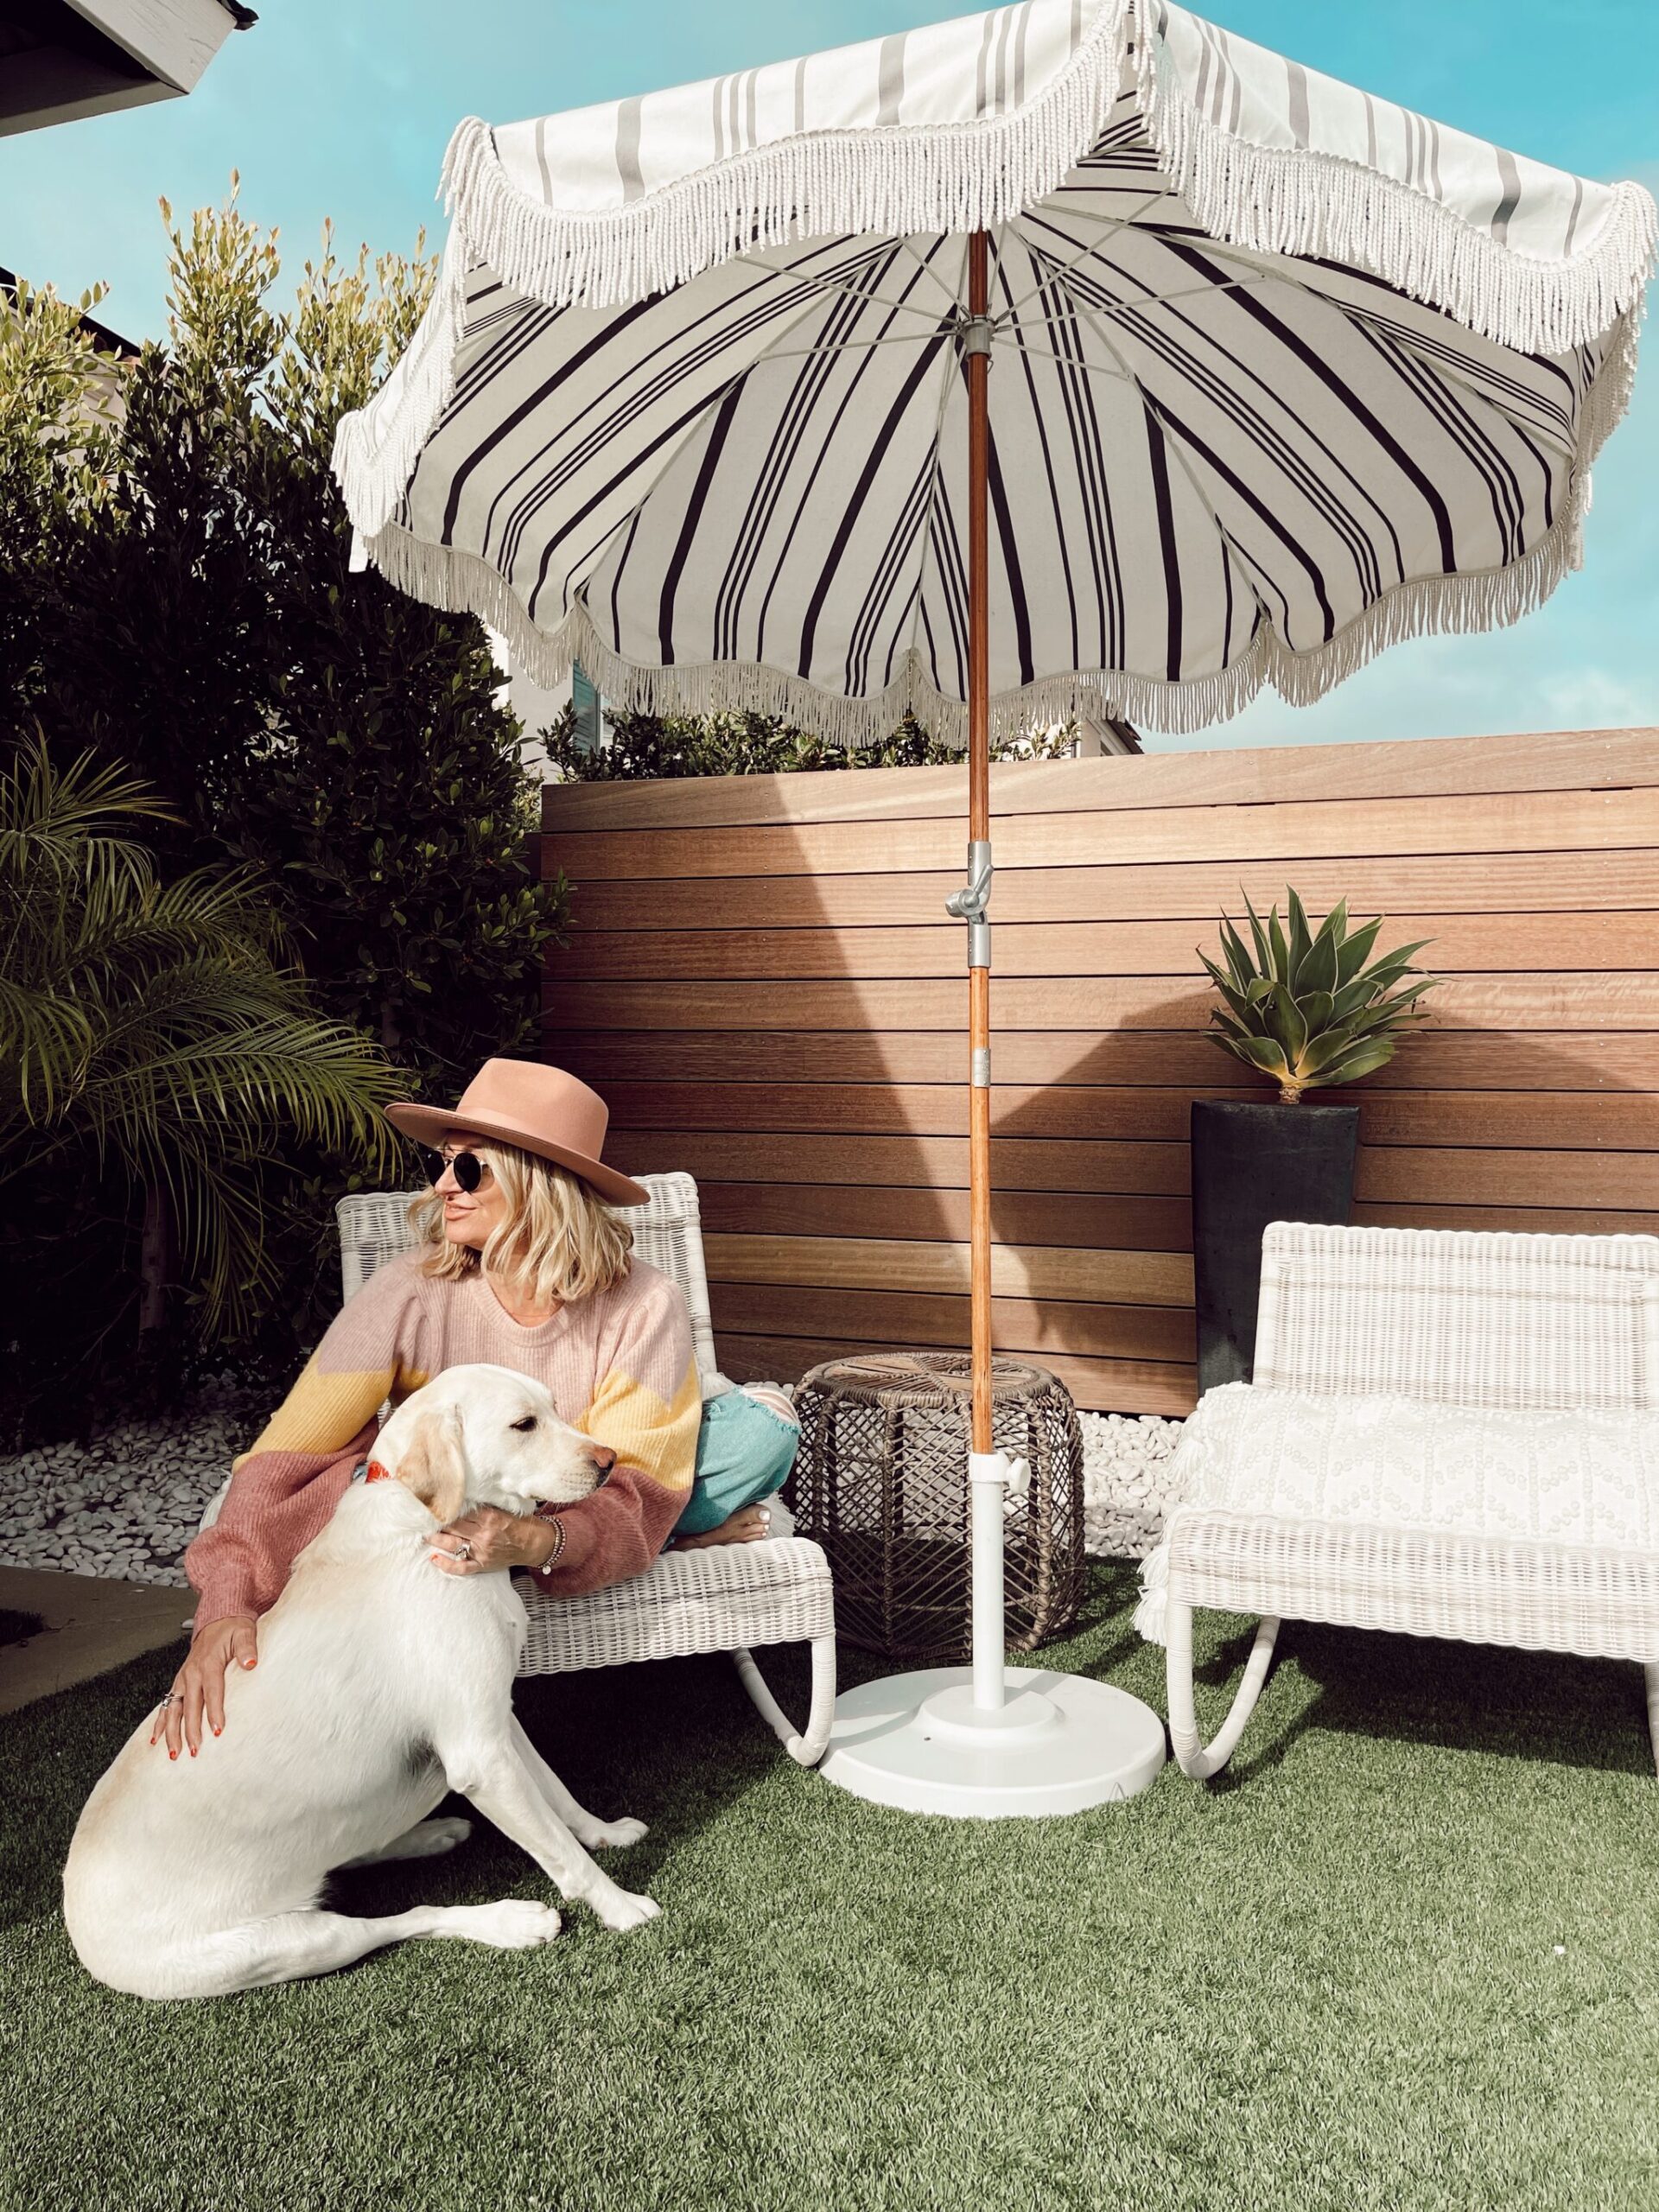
(1587, 1479)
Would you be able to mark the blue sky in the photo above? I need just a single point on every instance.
(344, 109)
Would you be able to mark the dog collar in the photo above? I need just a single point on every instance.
(377, 1473)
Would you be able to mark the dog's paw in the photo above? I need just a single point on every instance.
(615, 1835)
(622, 1910)
(512, 1924)
(432, 1838)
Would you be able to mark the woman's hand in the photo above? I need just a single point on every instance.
(199, 1686)
(486, 1540)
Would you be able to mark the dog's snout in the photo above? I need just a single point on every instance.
(603, 1460)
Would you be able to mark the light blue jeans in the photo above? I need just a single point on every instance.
(744, 1451)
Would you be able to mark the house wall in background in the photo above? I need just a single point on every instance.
(537, 706)
(766, 987)
(62, 59)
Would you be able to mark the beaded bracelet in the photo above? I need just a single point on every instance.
(557, 1552)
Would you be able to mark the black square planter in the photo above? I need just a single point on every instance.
(1253, 1164)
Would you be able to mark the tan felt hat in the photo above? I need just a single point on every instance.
(540, 1109)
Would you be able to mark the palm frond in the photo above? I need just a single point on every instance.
(151, 1025)
(62, 818)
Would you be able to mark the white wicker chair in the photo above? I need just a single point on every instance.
(1470, 1329)
(727, 1598)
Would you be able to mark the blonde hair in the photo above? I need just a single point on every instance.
(558, 1242)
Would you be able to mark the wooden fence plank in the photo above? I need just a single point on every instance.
(1553, 759)
(916, 1163)
(1600, 1060)
(1561, 1003)
(1087, 1218)
(941, 1217)
(1419, 1176)
(921, 1109)
(1626, 1121)
(1018, 1324)
(1461, 944)
(608, 1058)
(1037, 1271)
(1495, 883)
(1542, 822)
(1414, 1174)
(1099, 1385)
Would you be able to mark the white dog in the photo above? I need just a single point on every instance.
(381, 1684)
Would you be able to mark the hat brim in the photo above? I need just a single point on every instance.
(431, 1125)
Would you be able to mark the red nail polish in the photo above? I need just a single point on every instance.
(218, 1732)
(172, 1755)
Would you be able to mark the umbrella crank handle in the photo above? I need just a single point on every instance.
(972, 902)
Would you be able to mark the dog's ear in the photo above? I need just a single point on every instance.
(434, 1464)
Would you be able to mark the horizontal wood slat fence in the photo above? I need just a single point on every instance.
(763, 982)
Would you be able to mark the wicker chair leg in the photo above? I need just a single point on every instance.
(809, 1748)
(1650, 1676)
(1187, 1744)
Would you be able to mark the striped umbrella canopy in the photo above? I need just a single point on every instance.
(1074, 358)
(1280, 373)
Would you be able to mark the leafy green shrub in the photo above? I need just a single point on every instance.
(318, 723)
(1303, 1006)
(654, 746)
(58, 433)
(177, 594)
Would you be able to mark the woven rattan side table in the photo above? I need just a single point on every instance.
(881, 1483)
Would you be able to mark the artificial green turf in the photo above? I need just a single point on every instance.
(1331, 1981)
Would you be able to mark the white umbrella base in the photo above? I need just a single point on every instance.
(1059, 1744)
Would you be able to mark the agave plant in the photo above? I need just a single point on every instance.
(1303, 1006)
(154, 1026)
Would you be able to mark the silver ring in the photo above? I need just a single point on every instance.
(463, 1549)
(173, 1697)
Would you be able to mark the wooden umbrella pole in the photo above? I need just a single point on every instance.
(987, 1471)
(979, 832)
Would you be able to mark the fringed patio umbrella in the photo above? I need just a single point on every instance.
(1282, 373)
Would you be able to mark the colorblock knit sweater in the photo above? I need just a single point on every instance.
(619, 1367)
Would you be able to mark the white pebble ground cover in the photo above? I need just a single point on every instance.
(1127, 1491)
(127, 1503)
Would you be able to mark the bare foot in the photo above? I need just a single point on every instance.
(748, 1526)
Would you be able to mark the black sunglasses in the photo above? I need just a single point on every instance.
(469, 1169)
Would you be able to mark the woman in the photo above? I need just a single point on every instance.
(522, 1264)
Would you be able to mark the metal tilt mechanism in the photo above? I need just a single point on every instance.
(989, 1740)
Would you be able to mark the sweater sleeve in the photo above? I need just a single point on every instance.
(647, 1408)
(283, 1492)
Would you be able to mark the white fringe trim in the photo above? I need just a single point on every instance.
(1283, 200)
(953, 177)
(376, 447)
(971, 175)
(1152, 1612)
